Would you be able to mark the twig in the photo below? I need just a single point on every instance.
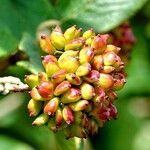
(12, 84)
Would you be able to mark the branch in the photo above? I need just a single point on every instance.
(12, 84)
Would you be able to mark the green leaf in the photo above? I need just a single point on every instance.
(7, 143)
(28, 45)
(20, 16)
(46, 140)
(8, 43)
(9, 106)
(101, 15)
(143, 135)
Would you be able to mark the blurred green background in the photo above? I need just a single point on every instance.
(19, 55)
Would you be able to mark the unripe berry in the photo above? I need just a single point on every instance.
(40, 120)
(42, 76)
(72, 95)
(107, 69)
(80, 105)
(73, 79)
(69, 63)
(86, 54)
(32, 80)
(83, 69)
(97, 62)
(105, 81)
(109, 58)
(89, 33)
(89, 41)
(75, 44)
(46, 45)
(50, 65)
(112, 48)
(77, 33)
(57, 38)
(67, 54)
(87, 91)
(51, 68)
(34, 107)
(59, 76)
(69, 33)
(35, 94)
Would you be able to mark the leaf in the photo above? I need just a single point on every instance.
(18, 16)
(101, 15)
(6, 40)
(40, 137)
(7, 143)
(143, 135)
(28, 45)
(47, 138)
(9, 106)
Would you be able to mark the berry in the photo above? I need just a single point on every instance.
(68, 115)
(57, 38)
(83, 69)
(34, 107)
(87, 91)
(86, 54)
(61, 88)
(51, 107)
(72, 95)
(46, 89)
(46, 45)
(40, 120)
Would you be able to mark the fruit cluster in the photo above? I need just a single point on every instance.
(123, 37)
(77, 90)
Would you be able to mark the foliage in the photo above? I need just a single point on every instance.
(19, 21)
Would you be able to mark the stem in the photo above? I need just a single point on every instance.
(58, 53)
(12, 84)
